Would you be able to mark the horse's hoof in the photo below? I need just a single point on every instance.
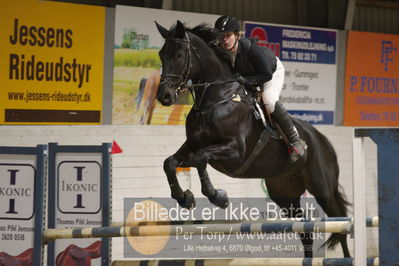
(187, 201)
(221, 199)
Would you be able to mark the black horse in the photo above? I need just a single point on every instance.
(222, 131)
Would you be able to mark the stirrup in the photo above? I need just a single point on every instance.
(297, 150)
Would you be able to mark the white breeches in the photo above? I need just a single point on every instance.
(272, 88)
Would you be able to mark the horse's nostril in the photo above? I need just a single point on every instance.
(167, 100)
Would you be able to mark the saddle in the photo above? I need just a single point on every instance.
(271, 130)
(262, 114)
(25, 258)
(74, 255)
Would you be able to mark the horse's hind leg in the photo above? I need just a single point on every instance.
(286, 192)
(335, 207)
(217, 197)
(186, 198)
(334, 204)
(306, 238)
(294, 210)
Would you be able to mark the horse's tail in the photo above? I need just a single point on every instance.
(337, 204)
(140, 93)
(343, 204)
(337, 201)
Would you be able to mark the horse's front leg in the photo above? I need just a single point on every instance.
(186, 198)
(200, 159)
(217, 197)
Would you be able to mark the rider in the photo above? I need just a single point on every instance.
(258, 68)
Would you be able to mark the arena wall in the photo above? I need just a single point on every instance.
(137, 172)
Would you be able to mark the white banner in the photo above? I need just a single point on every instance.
(309, 58)
(78, 198)
(17, 192)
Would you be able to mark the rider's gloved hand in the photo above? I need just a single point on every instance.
(240, 79)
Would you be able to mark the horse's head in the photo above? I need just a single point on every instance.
(176, 62)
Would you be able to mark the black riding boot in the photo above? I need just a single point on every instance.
(297, 146)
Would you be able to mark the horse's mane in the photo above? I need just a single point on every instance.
(205, 32)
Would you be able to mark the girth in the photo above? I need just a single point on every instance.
(260, 144)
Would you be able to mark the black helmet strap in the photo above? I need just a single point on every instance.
(235, 43)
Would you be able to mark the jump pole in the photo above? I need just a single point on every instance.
(344, 227)
(248, 262)
(370, 221)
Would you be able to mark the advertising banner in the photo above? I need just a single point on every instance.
(52, 62)
(309, 59)
(22, 202)
(79, 197)
(137, 66)
(244, 229)
(372, 80)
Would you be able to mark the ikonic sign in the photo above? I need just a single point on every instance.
(21, 202)
(78, 197)
(79, 189)
(16, 189)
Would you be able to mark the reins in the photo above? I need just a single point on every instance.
(198, 105)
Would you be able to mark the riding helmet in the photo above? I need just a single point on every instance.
(227, 24)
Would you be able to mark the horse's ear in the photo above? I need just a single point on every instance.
(180, 29)
(164, 32)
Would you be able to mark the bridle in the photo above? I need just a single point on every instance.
(182, 78)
